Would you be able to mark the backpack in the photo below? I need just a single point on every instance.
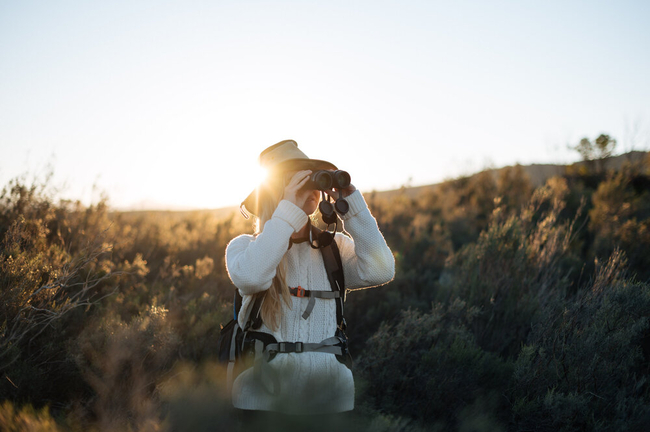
(240, 348)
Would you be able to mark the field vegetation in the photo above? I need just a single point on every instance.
(514, 308)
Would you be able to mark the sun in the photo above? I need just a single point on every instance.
(259, 175)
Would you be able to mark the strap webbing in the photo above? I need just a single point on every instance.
(331, 345)
(313, 295)
(334, 268)
(255, 317)
(301, 292)
(232, 359)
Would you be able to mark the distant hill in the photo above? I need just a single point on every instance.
(538, 174)
(219, 213)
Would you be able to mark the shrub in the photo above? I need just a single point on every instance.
(26, 419)
(123, 363)
(427, 366)
(586, 365)
(45, 284)
(194, 398)
(519, 263)
(620, 218)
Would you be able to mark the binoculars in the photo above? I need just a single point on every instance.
(324, 180)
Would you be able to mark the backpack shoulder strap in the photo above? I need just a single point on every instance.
(334, 269)
(254, 318)
(236, 304)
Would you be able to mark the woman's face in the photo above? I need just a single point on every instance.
(312, 198)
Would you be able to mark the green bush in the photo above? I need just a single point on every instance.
(47, 280)
(428, 367)
(123, 363)
(519, 263)
(620, 218)
(587, 363)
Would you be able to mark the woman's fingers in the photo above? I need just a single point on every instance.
(300, 177)
(299, 180)
(303, 181)
(334, 193)
(338, 193)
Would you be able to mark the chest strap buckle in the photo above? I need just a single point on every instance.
(290, 347)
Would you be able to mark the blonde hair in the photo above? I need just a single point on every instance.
(271, 309)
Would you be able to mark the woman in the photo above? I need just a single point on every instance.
(281, 256)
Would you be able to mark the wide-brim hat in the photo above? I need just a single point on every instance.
(281, 157)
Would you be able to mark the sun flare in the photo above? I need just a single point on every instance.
(259, 175)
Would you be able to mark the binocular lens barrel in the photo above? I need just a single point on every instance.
(326, 180)
(341, 179)
(322, 180)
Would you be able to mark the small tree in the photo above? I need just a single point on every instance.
(586, 149)
(597, 151)
(605, 146)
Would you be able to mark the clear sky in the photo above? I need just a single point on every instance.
(167, 104)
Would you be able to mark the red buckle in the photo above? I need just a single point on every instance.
(300, 291)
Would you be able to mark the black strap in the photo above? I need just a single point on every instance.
(254, 317)
(334, 269)
(237, 303)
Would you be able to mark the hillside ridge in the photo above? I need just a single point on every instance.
(538, 174)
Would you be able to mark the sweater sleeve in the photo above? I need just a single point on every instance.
(251, 261)
(367, 259)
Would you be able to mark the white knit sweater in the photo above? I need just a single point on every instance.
(311, 382)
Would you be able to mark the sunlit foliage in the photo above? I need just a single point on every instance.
(513, 308)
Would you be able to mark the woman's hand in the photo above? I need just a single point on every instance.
(338, 193)
(291, 191)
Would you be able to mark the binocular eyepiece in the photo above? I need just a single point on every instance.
(324, 180)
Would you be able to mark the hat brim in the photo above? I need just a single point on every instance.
(298, 164)
(251, 202)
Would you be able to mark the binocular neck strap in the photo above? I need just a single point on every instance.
(324, 239)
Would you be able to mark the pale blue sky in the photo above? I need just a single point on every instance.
(168, 103)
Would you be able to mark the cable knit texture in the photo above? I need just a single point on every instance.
(311, 383)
